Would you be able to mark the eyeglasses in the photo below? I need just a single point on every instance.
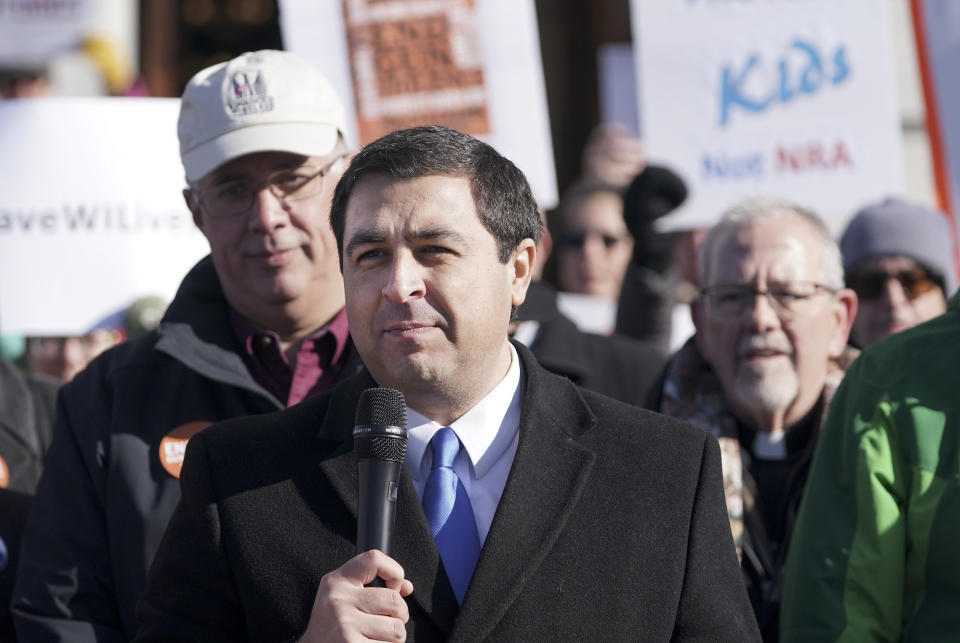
(577, 240)
(234, 197)
(788, 300)
(871, 284)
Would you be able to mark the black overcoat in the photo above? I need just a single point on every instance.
(612, 526)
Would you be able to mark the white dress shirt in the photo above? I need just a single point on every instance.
(488, 437)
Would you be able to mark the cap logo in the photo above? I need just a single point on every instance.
(249, 95)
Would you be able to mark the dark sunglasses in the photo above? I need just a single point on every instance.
(873, 283)
(579, 239)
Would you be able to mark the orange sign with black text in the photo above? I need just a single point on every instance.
(416, 63)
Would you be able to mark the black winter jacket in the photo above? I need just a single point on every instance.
(109, 487)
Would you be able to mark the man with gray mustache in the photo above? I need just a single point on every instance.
(772, 323)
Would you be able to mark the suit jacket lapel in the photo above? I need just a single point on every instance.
(548, 475)
(336, 440)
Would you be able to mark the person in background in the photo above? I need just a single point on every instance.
(604, 261)
(94, 67)
(658, 287)
(874, 554)
(770, 348)
(579, 266)
(897, 257)
(256, 326)
(143, 315)
(651, 302)
(621, 367)
(27, 408)
(27, 405)
(63, 357)
(593, 243)
(14, 508)
(24, 81)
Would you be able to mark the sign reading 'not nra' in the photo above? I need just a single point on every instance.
(788, 98)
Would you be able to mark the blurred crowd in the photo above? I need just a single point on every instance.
(751, 329)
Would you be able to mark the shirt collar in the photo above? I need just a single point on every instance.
(246, 331)
(485, 431)
(341, 333)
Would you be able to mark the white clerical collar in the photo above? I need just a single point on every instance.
(485, 431)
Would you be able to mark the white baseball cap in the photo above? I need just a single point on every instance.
(261, 101)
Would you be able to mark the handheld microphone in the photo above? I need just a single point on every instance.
(380, 443)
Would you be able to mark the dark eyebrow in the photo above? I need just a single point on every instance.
(430, 233)
(363, 237)
(438, 233)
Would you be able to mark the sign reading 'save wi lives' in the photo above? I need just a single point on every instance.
(93, 215)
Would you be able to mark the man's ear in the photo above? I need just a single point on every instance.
(194, 206)
(844, 310)
(521, 264)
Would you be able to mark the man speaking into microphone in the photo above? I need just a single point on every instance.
(527, 509)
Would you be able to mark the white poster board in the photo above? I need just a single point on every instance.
(91, 214)
(787, 98)
(469, 64)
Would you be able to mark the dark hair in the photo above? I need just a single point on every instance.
(505, 205)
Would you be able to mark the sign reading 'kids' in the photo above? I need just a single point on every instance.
(787, 98)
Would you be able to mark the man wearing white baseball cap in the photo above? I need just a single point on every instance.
(256, 326)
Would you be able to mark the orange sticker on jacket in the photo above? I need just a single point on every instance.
(4, 474)
(174, 445)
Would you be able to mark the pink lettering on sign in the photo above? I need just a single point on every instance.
(812, 155)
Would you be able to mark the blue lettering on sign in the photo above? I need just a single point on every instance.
(722, 166)
(793, 79)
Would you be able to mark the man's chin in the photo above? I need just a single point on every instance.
(766, 391)
(278, 288)
(403, 374)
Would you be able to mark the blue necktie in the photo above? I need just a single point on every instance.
(449, 514)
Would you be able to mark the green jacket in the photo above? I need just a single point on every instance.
(876, 552)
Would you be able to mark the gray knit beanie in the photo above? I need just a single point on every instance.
(896, 227)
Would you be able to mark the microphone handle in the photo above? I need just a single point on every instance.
(377, 504)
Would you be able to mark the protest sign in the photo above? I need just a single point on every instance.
(473, 65)
(787, 98)
(33, 30)
(92, 215)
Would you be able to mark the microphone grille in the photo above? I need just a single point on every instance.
(382, 407)
(381, 431)
(390, 448)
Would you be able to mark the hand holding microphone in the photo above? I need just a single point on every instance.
(359, 597)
